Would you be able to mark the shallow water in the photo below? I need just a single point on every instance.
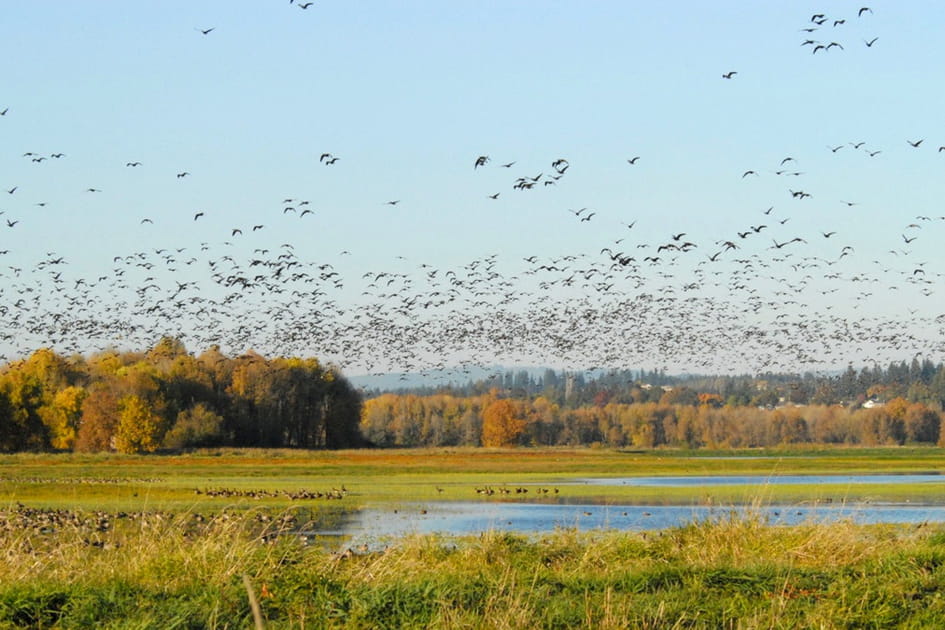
(374, 524)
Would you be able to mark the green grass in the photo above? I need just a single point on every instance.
(376, 477)
(734, 573)
(136, 547)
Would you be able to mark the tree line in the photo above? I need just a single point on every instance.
(703, 421)
(167, 398)
(917, 381)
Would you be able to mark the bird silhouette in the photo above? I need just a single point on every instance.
(729, 75)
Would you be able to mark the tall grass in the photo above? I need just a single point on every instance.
(189, 571)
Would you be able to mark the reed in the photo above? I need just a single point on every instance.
(187, 570)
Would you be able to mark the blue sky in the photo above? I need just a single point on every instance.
(407, 95)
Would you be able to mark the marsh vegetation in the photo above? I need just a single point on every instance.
(148, 541)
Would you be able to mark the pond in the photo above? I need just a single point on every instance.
(379, 523)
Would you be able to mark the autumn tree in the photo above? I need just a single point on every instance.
(98, 421)
(500, 426)
(197, 426)
(61, 416)
(139, 428)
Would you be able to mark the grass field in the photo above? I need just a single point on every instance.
(127, 542)
(373, 476)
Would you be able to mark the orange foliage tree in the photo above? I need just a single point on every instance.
(500, 426)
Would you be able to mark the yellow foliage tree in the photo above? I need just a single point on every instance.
(500, 426)
(62, 416)
(139, 428)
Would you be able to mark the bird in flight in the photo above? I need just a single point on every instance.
(863, 10)
(206, 31)
(4, 112)
(869, 44)
(393, 203)
(481, 161)
(182, 175)
(198, 215)
(132, 164)
(915, 144)
(633, 160)
(12, 190)
(729, 75)
(306, 5)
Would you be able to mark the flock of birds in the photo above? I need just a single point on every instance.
(760, 297)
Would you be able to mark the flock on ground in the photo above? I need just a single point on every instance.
(705, 301)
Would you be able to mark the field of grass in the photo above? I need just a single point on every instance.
(140, 542)
(372, 476)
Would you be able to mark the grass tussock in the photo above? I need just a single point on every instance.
(68, 570)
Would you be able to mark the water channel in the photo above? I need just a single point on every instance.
(374, 525)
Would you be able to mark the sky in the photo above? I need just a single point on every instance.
(158, 121)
